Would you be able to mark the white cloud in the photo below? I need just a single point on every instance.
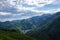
(12, 18)
(54, 10)
(38, 3)
(38, 13)
(11, 2)
(5, 13)
(55, 2)
(9, 19)
(18, 4)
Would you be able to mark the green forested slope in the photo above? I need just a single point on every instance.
(11, 35)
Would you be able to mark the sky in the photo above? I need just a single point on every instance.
(23, 9)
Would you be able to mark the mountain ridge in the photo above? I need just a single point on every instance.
(28, 24)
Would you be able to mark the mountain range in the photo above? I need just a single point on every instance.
(49, 31)
(28, 24)
(44, 27)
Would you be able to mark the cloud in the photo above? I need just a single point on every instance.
(5, 16)
(10, 19)
(39, 3)
(56, 2)
(5, 13)
(23, 9)
(6, 7)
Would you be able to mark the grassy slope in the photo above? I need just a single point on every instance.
(9, 35)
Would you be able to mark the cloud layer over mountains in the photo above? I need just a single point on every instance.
(22, 9)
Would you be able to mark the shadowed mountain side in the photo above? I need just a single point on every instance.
(50, 31)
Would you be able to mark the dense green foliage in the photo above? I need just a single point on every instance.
(11, 35)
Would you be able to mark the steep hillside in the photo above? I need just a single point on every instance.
(50, 31)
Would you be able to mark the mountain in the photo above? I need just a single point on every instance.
(44, 27)
(28, 24)
(38, 21)
(50, 31)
